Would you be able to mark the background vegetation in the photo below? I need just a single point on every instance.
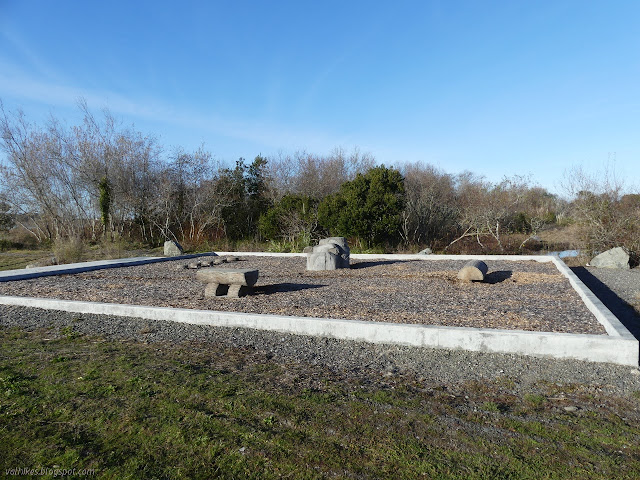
(103, 182)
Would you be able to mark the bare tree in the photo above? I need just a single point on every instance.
(38, 186)
(486, 209)
(190, 196)
(315, 176)
(431, 209)
(52, 176)
(597, 204)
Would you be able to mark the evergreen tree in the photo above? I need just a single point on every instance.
(368, 207)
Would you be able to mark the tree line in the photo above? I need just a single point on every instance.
(101, 180)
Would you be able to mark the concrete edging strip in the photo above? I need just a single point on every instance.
(609, 321)
(619, 346)
(595, 348)
(35, 272)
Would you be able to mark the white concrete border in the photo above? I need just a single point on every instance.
(35, 272)
(619, 346)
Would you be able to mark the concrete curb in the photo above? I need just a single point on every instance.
(619, 346)
(26, 273)
(609, 321)
(594, 348)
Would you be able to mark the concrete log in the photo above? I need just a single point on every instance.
(474, 270)
(228, 276)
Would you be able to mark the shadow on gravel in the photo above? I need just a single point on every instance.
(498, 276)
(375, 264)
(283, 287)
(621, 309)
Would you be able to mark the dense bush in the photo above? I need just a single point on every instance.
(245, 187)
(293, 218)
(368, 207)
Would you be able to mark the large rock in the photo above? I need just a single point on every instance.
(330, 254)
(172, 249)
(615, 258)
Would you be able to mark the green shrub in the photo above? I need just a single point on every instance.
(368, 207)
(6, 244)
(294, 219)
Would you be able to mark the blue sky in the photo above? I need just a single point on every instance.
(495, 87)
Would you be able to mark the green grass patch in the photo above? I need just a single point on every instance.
(130, 410)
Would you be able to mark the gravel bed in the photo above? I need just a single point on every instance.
(618, 289)
(381, 363)
(624, 283)
(522, 295)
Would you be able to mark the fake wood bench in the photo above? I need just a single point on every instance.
(232, 282)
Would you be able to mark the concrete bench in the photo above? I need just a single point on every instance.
(232, 282)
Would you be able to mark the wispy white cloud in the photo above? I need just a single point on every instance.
(19, 85)
(15, 44)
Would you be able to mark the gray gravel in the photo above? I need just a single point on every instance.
(625, 283)
(618, 289)
(516, 295)
(432, 366)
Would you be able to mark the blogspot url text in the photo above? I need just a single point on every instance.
(53, 472)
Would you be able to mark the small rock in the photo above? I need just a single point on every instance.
(571, 409)
(426, 251)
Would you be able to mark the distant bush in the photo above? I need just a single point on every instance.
(6, 244)
(68, 250)
(293, 220)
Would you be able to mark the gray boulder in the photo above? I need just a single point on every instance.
(330, 254)
(426, 251)
(172, 249)
(615, 258)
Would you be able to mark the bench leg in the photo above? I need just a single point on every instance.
(215, 290)
(237, 291)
